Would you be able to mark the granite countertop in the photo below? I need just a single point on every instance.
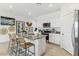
(33, 37)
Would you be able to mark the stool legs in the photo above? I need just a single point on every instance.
(34, 50)
(25, 51)
(28, 51)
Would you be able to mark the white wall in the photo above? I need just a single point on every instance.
(66, 29)
(67, 21)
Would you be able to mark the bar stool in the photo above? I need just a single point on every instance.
(24, 47)
(12, 47)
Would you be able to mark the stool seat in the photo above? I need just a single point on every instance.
(27, 45)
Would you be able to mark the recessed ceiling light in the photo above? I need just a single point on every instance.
(50, 5)
(10, 6)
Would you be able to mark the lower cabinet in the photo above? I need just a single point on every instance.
(40, 46)
(54, 38)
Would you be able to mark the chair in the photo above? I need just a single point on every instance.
(12, 47)
(24, 47)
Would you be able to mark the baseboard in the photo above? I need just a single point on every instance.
(67, 51)
(53, 43)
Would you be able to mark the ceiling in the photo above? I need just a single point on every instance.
(30, 10)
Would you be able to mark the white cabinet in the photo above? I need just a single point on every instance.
(54, 38)
(51, 38)
(40, 46)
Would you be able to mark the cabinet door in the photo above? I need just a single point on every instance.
(51, 38)
(57, 38)
(54, 38)
(41, 46)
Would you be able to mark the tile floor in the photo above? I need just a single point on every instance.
(52, 50)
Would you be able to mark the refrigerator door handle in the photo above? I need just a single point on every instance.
(72, 36)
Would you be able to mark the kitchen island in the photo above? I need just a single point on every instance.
(40, 43)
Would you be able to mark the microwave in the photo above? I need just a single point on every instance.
(46, 25)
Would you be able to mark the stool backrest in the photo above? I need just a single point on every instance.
(21, 41)
(12, 38)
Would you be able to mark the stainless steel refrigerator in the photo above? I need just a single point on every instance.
(75, 33)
